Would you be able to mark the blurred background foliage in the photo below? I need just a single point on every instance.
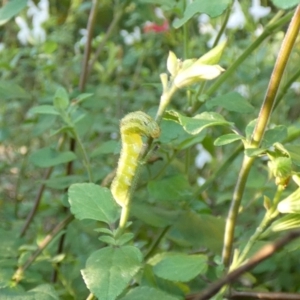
(125, 78)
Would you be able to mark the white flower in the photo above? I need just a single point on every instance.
(131, 38)
(203, 157)
(24, 35)
(257, 11)
(237, 18)
(39, 15)
(243, 89)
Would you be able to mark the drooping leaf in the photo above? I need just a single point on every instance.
(49, 157)
(154, 216)
(227, 139)
(198, 230)
(10, 9)
(108, 271)
(173, 188)
(91, 201)
(198, 123)
(147, 293)
(232, 101)
(213, 8)
(180, 266)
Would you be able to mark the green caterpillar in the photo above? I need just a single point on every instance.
(132, 127)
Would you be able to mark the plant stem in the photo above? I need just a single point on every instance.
(87, 49)
(268, 218)
(282, 58)
(165, 99)
(269, 29)
(261, 255)
(259, 130)
(46, 241)
(85, 160)
(234, 208)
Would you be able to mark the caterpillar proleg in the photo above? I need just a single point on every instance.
(132, 127)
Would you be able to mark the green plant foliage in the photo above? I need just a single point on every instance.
(198, 123)
(227, 139)
(109, 270)
(208, 73)
(213, 9)
(175, 188)
(285, 4)
(179, 266)
(148, 293)
(43, 292)
(90, 201)
(232, 101)
(197, 230)
(49, 157)
(10, 9)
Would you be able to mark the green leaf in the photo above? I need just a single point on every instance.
(287, 222)
(44, 109)
(10, 90)
(49, 157)
(274, 135)
(147, 293)
(227, 139)
(198, 230)
(213, 8)
(125, 238)
(179, 266)
(232, 101)
(61, 99)
(154, 216)
(91, 201)
(107, 148)
(198, 123)
(10, 9)
(62, 182)
(249, 129)
(285, 4)
(41, 292)
(80, 98)
(108, 240)
(293, 151)
(252, 152)
(174, 188)
(108, 271)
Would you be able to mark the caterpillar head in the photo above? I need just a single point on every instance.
(140, 123)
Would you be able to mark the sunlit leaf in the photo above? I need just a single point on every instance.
(91, 201)
(109, 270)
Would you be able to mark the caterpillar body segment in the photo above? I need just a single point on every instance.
(133, 126)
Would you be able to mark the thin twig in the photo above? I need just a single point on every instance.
(18, 274)
(117, 16)
(87, 49)
(36, 202)
(264, 253)
(264, 295)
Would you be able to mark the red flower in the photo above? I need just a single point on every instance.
(153, 27)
